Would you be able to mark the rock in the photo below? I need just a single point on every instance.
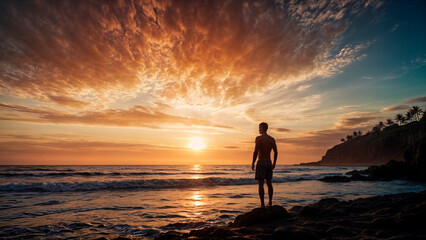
(324, 208)
(340, 231)
(283, 233)
(183, 225)
(170, 235)
(261, 215)
(214, 232)
(335, 179)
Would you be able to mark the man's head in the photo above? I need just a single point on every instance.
(263, 127)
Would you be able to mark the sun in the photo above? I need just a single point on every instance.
(196, 144)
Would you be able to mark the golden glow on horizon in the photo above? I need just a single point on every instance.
(196, 144)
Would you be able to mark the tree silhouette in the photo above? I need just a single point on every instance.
(349, 137)
(408, 116)
(380, 125)
(415, 112)
(399, 118)
(389, 122)
(342, 140)
(359, 133)
(376, 129)
(355, 134)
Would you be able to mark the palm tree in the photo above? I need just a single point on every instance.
(380, 125)
(389, 122)
(359, 133)
(408, 116)
(415, 111)
(355, 134)
(399, 118)
(376, 129)
(342, 140)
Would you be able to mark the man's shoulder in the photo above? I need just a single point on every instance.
(270, 137)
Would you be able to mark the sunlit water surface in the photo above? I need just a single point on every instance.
(142, 201)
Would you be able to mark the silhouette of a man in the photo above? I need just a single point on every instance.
(264, 166)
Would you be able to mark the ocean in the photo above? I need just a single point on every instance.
(61, 202)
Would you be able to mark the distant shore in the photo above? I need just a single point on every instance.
(396, 216)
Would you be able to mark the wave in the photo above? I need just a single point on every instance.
(93, 174)
(137, 184)
(25, 169)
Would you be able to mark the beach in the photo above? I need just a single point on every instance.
(51, 202)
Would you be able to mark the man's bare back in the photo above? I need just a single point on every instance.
(265, 144)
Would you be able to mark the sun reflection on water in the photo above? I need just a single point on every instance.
(197, 198)
(196, 168)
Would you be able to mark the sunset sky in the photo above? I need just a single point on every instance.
(141, 82)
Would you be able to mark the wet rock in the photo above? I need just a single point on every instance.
(183, 225)
(324, 208)
(335, 179)
(213, 232)
(340, 231)
(261, 215)
(283, 233)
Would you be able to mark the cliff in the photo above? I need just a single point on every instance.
(375, 148)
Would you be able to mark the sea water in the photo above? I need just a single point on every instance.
(51, 202)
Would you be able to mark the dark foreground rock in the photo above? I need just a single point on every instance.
(260, 215)
(399, 216)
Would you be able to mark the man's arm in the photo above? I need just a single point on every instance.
(256, 150)
(275, 154)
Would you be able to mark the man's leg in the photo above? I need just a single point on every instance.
(270, 191)
(261, 193)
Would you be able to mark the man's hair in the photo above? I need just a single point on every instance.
(264, 125)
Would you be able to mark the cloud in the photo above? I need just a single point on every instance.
(395, 108)
(416, 100)
(303, 87)
(138, 116)
(347, 107)
(281, 129)
(193, 50)
(68, 101)
(355, 120)
(316, 139)
(231, 147)
(327, 138)
(284, 107)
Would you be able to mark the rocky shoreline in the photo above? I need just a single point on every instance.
(397, 216)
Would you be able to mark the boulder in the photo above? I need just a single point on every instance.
(335, 179)
(260, 215)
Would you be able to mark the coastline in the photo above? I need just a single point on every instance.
(395, 216)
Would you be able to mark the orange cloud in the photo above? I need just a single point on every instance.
(225, 50)
(281, 129)
(68, 101)
(136, 116)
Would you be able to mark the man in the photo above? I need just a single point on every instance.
(264, 166)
